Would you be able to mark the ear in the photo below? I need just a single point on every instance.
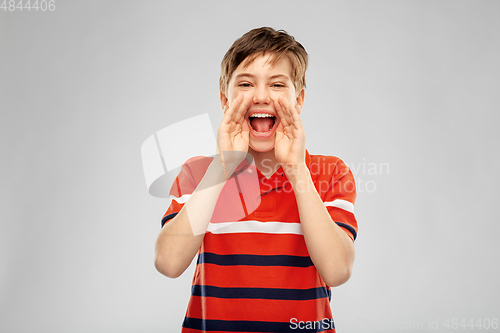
(300, 99)
(223, 100)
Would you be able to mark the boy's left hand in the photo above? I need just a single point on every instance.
(290, 144)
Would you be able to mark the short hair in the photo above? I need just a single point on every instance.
(260, 41)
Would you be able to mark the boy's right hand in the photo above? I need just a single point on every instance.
(233, 133)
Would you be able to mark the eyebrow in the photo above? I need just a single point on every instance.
(277, 76)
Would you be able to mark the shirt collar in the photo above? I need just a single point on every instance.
(244, 164)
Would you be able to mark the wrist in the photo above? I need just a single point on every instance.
(298, 175)
(225, 163)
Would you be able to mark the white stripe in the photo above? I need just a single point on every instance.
(342, 204)
(255, 226)
(181, 200)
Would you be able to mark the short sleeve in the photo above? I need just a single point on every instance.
(190, 175)
(340, 197)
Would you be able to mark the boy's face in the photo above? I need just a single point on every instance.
(263, 84)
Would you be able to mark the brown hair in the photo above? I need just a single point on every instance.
(259, 41)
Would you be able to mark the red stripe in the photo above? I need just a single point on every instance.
(258, 309)
(258, 276)
(255, 243)
(341, 215)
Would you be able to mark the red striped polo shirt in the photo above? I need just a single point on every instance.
(253, 272)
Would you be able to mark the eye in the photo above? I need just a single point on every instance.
(244, 84)
(278, 85)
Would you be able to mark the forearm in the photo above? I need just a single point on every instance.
(329, 247)
(181, 237)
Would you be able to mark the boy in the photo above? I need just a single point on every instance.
(270, 268)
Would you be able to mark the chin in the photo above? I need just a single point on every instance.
(262, 147)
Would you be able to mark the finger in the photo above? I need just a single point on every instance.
(245, 131)
(293, 114)
(229, 114)
(237, 129)
(236, 105)
(245, 128)
(280, 128)
(281, 113)
(228, 120)
(297, 109)
(286, 109)
(279, 133)
(242, 109)
(225, 115)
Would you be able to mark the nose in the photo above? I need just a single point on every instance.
(261, 96)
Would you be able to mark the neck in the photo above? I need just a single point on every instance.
(265, 161)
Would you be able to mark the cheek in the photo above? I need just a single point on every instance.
(231, 95)
(290, 96)
(234, 92)
(276, 94)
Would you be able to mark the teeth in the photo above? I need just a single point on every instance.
(261, 115)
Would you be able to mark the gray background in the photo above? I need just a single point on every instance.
(406, 92)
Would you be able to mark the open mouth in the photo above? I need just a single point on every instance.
(262, 123)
